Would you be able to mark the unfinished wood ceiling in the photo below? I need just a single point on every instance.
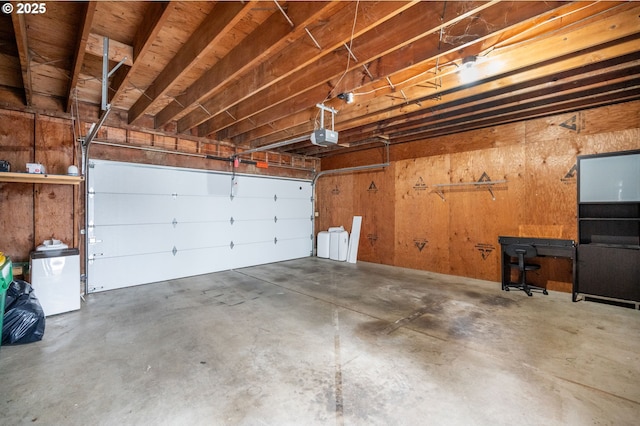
(252, 73)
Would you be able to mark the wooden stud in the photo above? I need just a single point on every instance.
(79, 54)
(20, 30)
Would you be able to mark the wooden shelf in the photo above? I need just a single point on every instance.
(439, 188)
(40, 178)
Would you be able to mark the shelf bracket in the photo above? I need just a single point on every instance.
(493, 197)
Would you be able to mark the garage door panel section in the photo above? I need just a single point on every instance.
(292, 248)
(122, 178)
(207, 208)
(119, 272)
(250, 187)
(206, 260)
(253, 208)
(131, 209)
(127, 240)
(152, 223)
(199, 235)
(287, 229)
(254, 253)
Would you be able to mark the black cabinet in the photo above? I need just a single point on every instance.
(609, 271)
(608, 258)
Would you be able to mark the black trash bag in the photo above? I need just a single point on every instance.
(23, 315)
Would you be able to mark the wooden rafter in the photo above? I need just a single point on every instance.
(425, 50)
(155, 18)
(20, 30)
(380, 109)
(297, 55)
(83, 37)
(375, 43)
(201, 42)
(271, 36)
(562, 57)
(530, 96)
(118, 51)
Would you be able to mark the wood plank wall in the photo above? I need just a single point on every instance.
(32, 213)
(407, 223)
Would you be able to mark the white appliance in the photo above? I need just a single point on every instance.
(323, 244)
(55, 278)
(338, 245)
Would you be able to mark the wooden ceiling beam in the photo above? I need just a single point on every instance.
(498, 94)
(608, 73)
(548, 62)
(510, 34)
(81, 45)
(155, 18)
(329, 35)
(579, 55)
(528, 100)
(617, 24)
(20, 31)
(499, 91)
(419, 36)
(529, 110)
(117, 51)
(273, 35)
(222, 17)
(592, 98)
(151, 25)
(628, 94)
(421, 20)
(569, 88)
(424, 50)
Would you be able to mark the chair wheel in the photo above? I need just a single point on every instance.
(545, 292)
(506, 289)
(529, 294)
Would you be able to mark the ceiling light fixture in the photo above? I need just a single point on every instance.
(468, 70)
(469, 62)
(347, 97)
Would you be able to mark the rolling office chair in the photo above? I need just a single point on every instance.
(523, 252)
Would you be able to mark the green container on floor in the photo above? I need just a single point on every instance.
(6, 277)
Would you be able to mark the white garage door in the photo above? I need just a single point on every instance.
(152, 223)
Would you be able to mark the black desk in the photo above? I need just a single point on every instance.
(550, 247)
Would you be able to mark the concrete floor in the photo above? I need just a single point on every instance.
(313, 341)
